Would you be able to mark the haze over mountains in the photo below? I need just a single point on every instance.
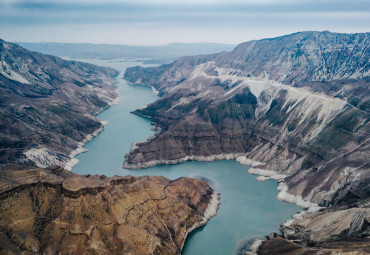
(87, 50)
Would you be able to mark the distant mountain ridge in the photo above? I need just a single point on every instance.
(292, 59)
(88, 50)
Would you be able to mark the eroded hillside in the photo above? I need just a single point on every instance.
(295, 107)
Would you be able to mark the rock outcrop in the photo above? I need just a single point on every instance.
(333, 230)
(278, 245)
(52, 211)
(325, 226)
(48, 105)
(295, 107)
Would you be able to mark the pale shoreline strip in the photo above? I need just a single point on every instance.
(210, 212)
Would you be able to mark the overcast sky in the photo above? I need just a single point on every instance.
(157, 22)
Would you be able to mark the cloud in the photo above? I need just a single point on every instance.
(356, 4)
(164, 21)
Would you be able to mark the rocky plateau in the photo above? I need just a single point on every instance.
(53, 211)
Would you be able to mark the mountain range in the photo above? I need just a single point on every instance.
(294, 107)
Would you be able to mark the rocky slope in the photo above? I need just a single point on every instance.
(53, 211)
(278, 245)
(48, 105)
(293, 59)
(332, 230)
(295, 107)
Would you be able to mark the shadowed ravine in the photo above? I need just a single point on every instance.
(248, 208)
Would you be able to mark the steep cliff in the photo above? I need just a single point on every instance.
(292, 59)
(52, 211)
(295, 107)
(48, 105)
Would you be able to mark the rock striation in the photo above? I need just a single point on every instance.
(48, 105)
(53, 211)
(295, 107)
(329, 225)
(279, 245)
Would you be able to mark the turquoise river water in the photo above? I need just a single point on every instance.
(249, 208)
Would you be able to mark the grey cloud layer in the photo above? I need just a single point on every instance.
(283, 15)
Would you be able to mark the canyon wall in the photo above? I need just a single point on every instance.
(295, 107)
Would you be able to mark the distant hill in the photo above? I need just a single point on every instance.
(48, 105)
(87, 50)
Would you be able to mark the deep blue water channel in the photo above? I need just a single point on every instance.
(248, 208)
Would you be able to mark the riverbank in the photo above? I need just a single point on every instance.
(258, 210)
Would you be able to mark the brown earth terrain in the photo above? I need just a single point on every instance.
(53, 211)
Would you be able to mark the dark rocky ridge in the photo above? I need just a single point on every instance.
(49, 104)
(53, 211)
(292, 59)
(295, 107)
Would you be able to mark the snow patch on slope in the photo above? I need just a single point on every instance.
(10, 74)
(42, 157)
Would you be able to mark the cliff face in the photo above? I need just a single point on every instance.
(52, 99)
(332, 230)
(51, 211)
(292, 59)
(294, 107)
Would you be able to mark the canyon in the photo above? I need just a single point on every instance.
(296, 108)
(48, 109)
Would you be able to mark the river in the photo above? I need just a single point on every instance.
(248, 208)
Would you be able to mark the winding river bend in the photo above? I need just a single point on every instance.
(248, 208)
